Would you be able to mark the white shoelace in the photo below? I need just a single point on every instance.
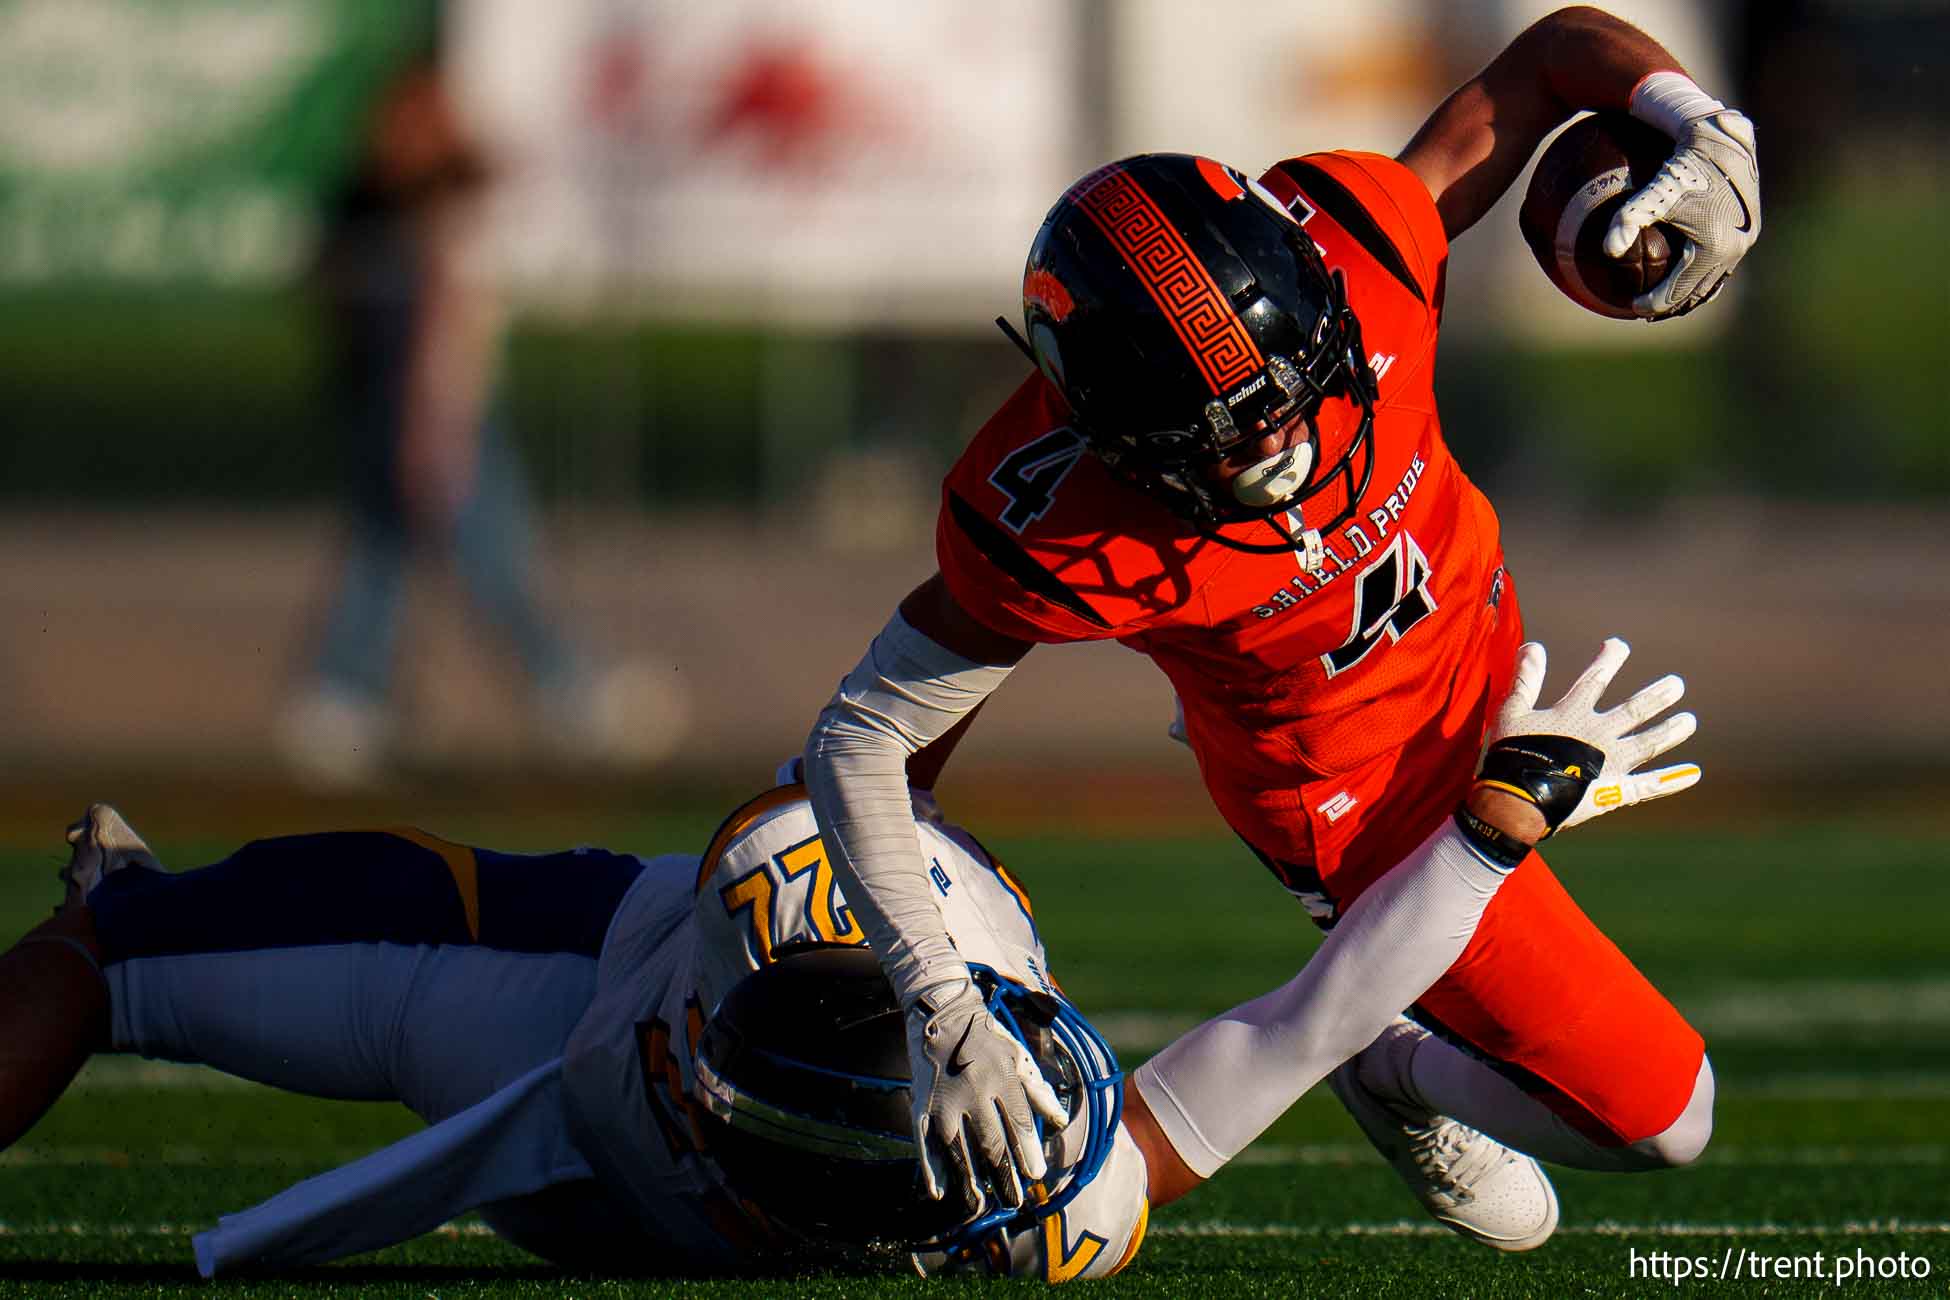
(1452, 1156)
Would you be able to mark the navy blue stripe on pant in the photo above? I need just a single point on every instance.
(361, 887)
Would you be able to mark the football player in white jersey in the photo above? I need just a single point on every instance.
(543, 1015)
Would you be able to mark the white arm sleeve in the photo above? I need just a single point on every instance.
(906, 692)
(1218, 1086)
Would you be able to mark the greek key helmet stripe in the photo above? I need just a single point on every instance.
(1176, 280)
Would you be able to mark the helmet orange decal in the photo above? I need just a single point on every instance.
(1175, 279)
(1041, 289)
(1220, 179)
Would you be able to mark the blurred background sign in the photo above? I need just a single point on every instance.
(834, 163)
(1252, 83)
(191, 142)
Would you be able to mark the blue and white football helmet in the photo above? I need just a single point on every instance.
(802, 1072)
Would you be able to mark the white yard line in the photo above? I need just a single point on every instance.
(1773, 1008)
(1906, 1154)
(132, 1073)
(1410, 1228)
(1842, 1087)
(1764, 1011)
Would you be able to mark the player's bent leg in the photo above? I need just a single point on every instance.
(1571, 1053)
(1418, 1069)
(286, 963)
(1682, 1142)
(353, 965)
(437, 1028)
(291, 892)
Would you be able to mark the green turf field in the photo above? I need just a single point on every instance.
(1814, 959)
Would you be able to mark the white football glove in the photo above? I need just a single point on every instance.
(1611, 731)
(975, 1086)
(1709, 190)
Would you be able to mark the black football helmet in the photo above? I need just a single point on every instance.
(803, 1075)
(1182, 312)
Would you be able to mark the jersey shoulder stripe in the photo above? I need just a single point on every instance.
(1383, 207)
(1338, 202)
(1007, 554)
(739, 821)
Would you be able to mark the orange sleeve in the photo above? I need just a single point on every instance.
(986, 536)
(1003, 587)
(1036, 539)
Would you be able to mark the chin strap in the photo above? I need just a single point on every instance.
(1022, 344)
(1313, 552)
(1305, 543)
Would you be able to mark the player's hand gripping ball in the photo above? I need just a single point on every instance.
(1582, 180)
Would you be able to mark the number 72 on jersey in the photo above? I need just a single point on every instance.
(825, 916)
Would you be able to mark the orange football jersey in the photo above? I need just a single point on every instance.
(1288, 678)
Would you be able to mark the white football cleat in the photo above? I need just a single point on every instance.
(103, 844)
(1471, 1183)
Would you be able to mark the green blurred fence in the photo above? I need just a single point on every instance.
(1830, 386)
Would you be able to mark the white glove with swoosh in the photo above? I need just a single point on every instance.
(1708, 190)
(975, 1086)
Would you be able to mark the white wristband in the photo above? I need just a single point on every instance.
(1669, 100)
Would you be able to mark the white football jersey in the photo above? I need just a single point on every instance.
(692, 928)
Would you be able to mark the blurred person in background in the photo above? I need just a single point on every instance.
(415, 335)
(1228, 458)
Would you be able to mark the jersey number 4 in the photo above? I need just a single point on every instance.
(1028, 475)
(1391, 596)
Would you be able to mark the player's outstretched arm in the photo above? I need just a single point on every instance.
(1478, 141)
(976, 1090)
(1199, 1102)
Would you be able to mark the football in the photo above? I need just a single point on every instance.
(1584, 177)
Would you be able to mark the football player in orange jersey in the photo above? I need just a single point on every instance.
(1229, 458)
